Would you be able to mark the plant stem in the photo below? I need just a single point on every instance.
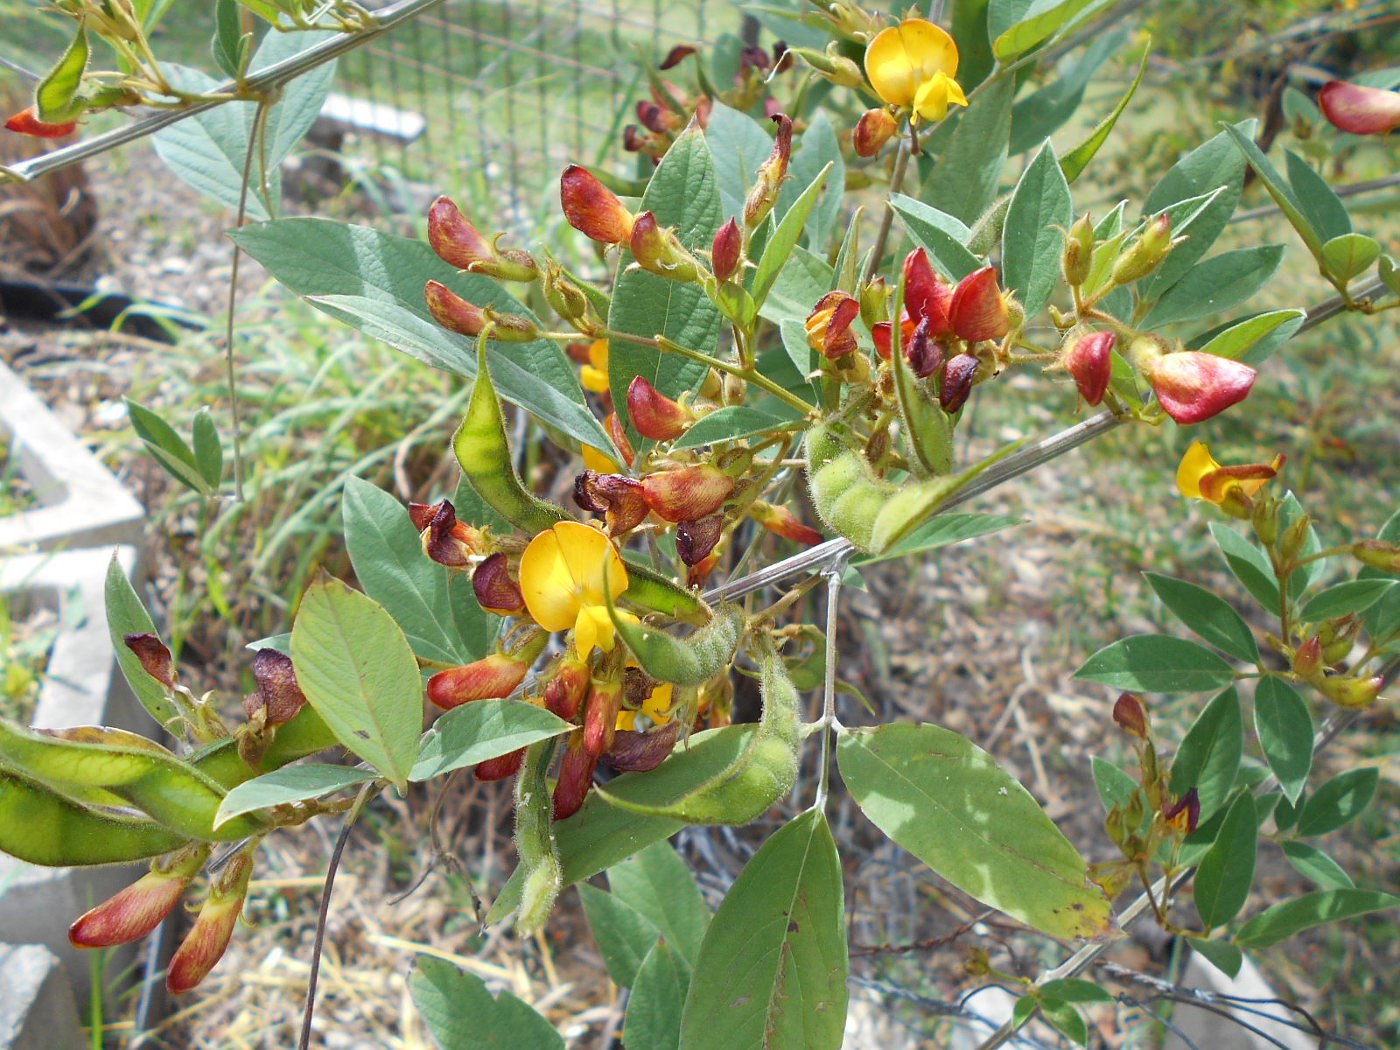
(901, 165)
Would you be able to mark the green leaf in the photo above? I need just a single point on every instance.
(657, 1002)
(1039, 115)
(374, 281)
(289, 784)
(1065, 1018)
(480, 730)
(1039, 23)
(1209, 615)
(436, 607)
(1076, 160)
(208, 450)
(963, 183)
(739, 145)
(1284, 725)
(659, 885)
(1254, 339)
(54, 97)
(1223, 955)
(1313, 909)
(127, 615)
(736, 421)
(784, 239)
(1226, 872)
(1338, 802)
(1115, 786)
(1317, 200)
(230, 44)
(461, 1013)
(817, 147)
(943, 236)
(1312, 863)
(1209, 756)
(168, 447)
(946, 801)
(1248, 563)
(942, 531)
(1157, 663)
(1341, 599)
(359, 674)
(1075, 990)
(301, 99)
(969, 30)
(1279, 190)
(1350, 254)
(772, 968)
(1216, 285)
(1031, 243)
(682, 193)
(804, 280)
(623, 935)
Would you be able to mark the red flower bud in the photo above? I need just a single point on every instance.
(575, 778)
(618, 498)
(771, 174)
(676, 55)
(634, 752)
(613, 425)
(278, 693)
(139, 909)
(654, 414)
(1131, 715)
(600, 715)
(460, 244)
(724, 254)
(489, 678)
(457, 315)
(1307, 661)
(495, 591)
(926, 295)
(923, 352)
(567, 687)
(207, 940)
(1089, 360)
(957, 382)
(155, 658)
(1193, 385)
(696, 539)
(500, 768)
(687, 493)
(27, 122)
(872, 131)
(634, 140)
(592, 208)
(1358, 109)
(784, 523)
(883, 332)
(978, 309)
(829, 325)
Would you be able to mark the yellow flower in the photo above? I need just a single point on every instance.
(564, 576)
(657, 707)
(1201, 477)
(594, 375)
(913, 65)
(596, 459)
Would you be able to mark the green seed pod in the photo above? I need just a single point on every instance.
(169, 790)
(304, 735)
(651, 590)
(534, 839)
(684, 661)
(39, 826)
(484, 455)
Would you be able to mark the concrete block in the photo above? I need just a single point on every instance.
(81, 503)
(37, 1008)
(1207, 1029)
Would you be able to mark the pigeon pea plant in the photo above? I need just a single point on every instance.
(745, 334)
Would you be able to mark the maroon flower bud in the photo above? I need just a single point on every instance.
(1131, 715)
(784, 523)
(592, 208)
(207, 940)
(687, 493)
(782, 60)
(725, 252)
(502, 767)
(600, 715)
(957, 382)
(829, 325)
(278, 693)
(696, 539)
(495, 591)
(872, 131)
(634, 140)
(457, 315)
(445, 539)
(924, 354)
(155, 658)
(613, 425)
(567, 686)
(460, 244)
(634, 752)
(1089, 359)
(1185, 814)
(139, 909)
(658, 250)
(754, 58)
(1193, 385)
(575, 778)
(618, 498)
(1358, 109)
(978, 309)
(490, 678)
(676, 55)
(771, 174)
(654, 414)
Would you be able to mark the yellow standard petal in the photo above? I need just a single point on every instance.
(603, 463)
(1196, 464)
(594, 375)
(546, 584)
(564, 576)
(903, 58)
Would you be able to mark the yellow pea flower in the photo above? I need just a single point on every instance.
(912, 65)
(657, 707)
(1200, 477)
(565, 573)
(594, 375)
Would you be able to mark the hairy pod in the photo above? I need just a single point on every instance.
(534, 839)
(684, 661)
